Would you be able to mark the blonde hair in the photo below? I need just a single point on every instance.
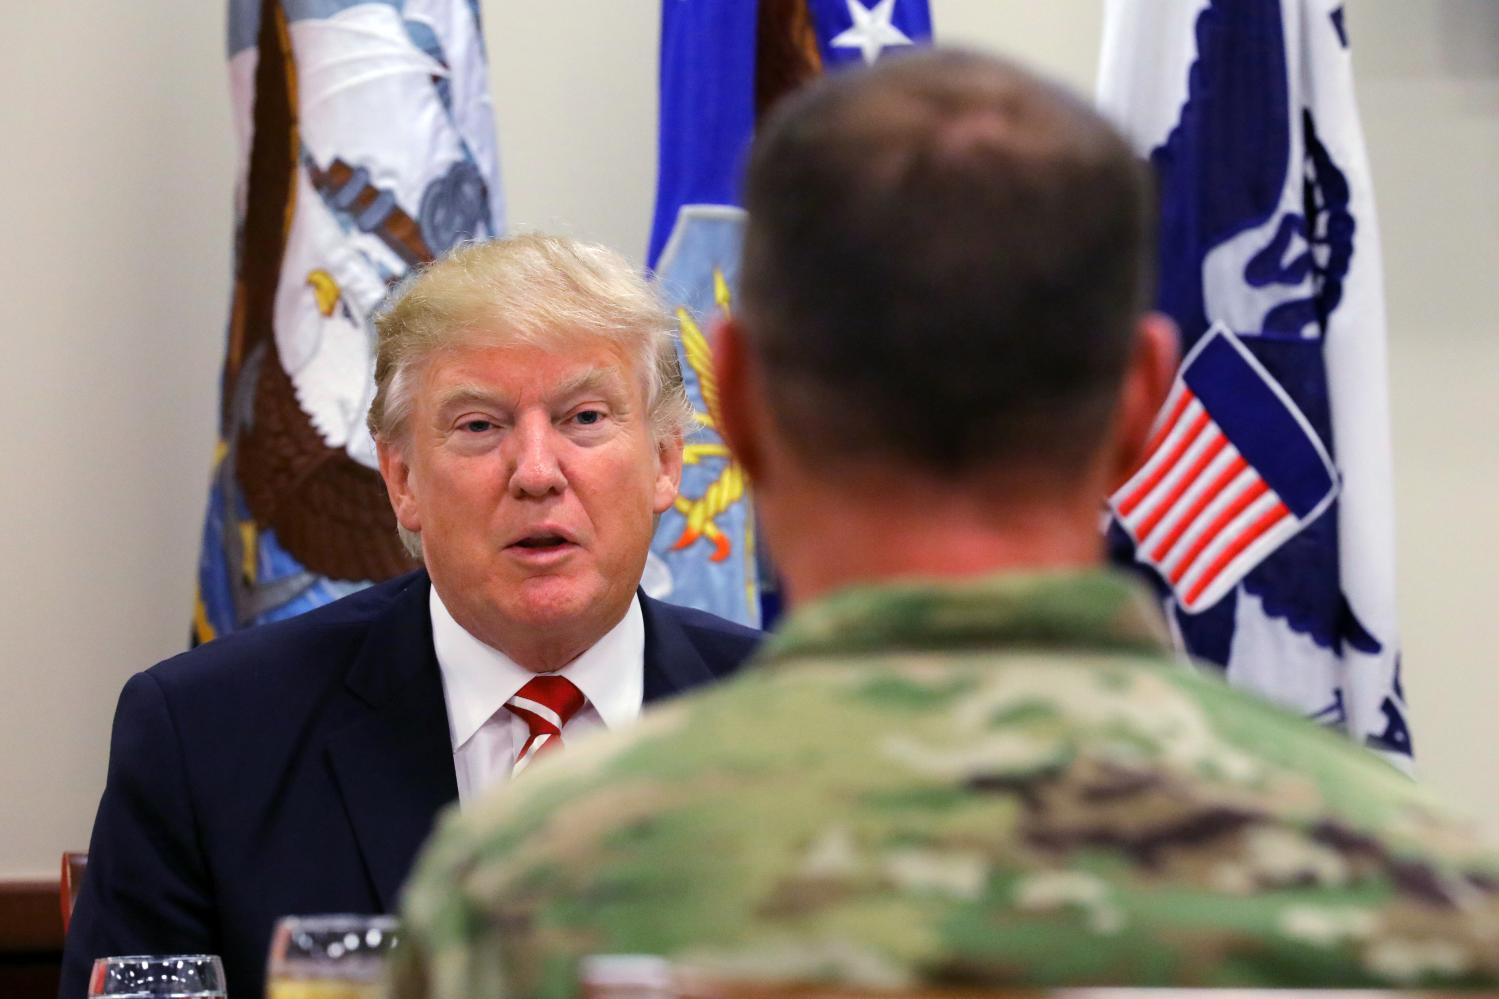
(530, 289)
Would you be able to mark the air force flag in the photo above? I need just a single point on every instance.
(1265, 510)
(722, 63)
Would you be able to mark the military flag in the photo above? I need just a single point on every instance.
(1265, 512)
(366, 147)
(723, 64)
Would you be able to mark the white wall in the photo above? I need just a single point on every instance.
(114, 269)
(114, 279)
(1428, 74)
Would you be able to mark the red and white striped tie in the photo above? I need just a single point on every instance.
(544, 704)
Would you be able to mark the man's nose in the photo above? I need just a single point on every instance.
(537, 470)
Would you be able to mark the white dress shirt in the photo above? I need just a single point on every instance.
(477, 681)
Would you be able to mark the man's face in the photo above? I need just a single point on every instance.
(533, 479)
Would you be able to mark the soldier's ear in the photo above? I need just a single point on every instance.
(1147, 382)
(740, 405)
(400, 485)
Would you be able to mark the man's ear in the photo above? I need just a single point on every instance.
(740, 404)
(668, 472)
(1147, 382)
(399, 484)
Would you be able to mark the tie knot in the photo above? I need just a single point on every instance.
(545, 704)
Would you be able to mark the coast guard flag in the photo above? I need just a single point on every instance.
(1264, 512)
(366, 147)
(723, 62)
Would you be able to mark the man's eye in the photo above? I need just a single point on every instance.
(589, 417)
(476, 426)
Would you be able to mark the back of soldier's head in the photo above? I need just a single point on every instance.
(945, 259)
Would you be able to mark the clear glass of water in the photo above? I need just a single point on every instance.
(174, 976)
(329, 957)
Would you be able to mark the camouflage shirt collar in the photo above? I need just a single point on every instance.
(1098, 609)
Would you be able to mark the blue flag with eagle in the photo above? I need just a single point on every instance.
(366, 148)
(1264, 512)
(723, 63)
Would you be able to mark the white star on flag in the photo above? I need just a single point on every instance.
(872, 31)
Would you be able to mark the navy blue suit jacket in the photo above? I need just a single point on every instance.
(295, 768)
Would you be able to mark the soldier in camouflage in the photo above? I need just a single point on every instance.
(969, 759)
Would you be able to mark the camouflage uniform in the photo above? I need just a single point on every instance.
(1001, 782)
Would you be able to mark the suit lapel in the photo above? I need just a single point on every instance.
(672, 662)
(394, 766)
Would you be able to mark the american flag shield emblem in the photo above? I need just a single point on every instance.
(1234, 472)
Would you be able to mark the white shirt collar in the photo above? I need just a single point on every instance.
(477, 680)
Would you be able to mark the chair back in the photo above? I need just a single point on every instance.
(73, 864)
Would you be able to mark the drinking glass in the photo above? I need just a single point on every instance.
(329, 957)
(176, 976)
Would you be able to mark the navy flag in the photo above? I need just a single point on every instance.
(367, 147)
(1265, 513)
(723, 63)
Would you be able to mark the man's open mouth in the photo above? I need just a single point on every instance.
(543, 541)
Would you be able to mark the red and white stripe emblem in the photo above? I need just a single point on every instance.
(1201, 510)
(1197, 509)
(545, 704)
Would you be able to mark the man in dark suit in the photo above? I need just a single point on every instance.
(529, 417)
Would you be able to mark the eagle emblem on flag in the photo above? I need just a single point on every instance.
(367, 149)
